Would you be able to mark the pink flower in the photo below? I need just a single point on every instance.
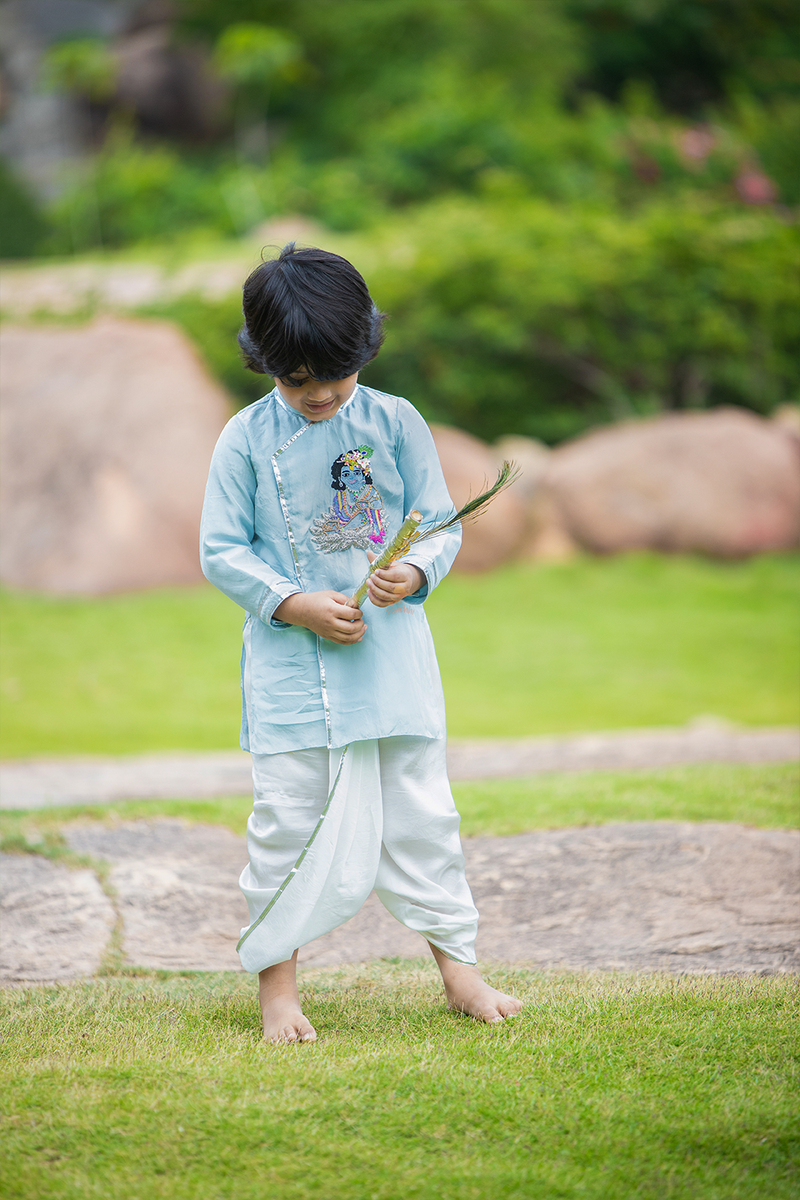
(696, 145)
(754, 187)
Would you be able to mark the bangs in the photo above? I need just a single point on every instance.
(309, 312)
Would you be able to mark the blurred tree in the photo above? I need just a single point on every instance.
(593, 192)
(255, 60)
(85, 66)
(515, 315)
(252, 57)
(693, 52)
(512, 315)
(22, 224)
(368, 58)
(404, 98)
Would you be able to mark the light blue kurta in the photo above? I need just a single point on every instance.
(273, 525)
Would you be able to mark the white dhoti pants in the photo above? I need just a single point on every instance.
(328, 826)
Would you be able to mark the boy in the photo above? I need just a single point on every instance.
(344, 718)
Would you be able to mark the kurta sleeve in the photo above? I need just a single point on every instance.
(228, 527)
(425, 490)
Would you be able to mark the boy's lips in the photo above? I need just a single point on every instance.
(318, 398)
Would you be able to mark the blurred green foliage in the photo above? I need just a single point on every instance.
(573, 210)
(133, 193)
(84, 65)
(254, 57)
(513, 314)
(367, 107)
(692, 51)
(22, 225)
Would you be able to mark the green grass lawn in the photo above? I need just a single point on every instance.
(765, 795)
(606, 1086)
(147, 1085)
(591, 644)
(629, 641)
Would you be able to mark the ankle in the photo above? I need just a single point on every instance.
(453, 973)
(279, 982)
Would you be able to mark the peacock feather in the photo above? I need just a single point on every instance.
(411, 533)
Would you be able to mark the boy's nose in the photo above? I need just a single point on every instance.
(320, 391)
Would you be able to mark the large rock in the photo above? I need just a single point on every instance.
(469, 466)
(546, 537)
(725, 483)
(170, 87)
(108, 431)
(530, 457)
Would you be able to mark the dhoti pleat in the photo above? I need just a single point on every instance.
(328, 826)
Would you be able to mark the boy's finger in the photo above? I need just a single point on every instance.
(349, 614)
(388, 588)
(377, 597)
(349, 627)
(345, 637)
(383, 599)
(351, 635)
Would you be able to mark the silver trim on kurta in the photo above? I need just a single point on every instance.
(282, 497)
(303, 853)
(325, 701)
(290, 532)
(246, 683)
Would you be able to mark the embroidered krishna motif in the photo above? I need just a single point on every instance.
(355, 516)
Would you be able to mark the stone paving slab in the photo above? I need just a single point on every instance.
(55, 922)
(643, 896)
(177, 890)
(41, 783)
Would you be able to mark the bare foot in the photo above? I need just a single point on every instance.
(283, 1021)
(281, 1014)
(469, 993)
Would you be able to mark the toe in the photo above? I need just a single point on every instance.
(510, 1007)
(309, 1034)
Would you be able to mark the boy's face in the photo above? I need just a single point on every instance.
(317, 401)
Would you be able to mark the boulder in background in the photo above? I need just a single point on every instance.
(108, 431)
(470, 466)
(723, 482)
(546, 538)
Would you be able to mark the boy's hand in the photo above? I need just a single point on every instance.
(327, 614)
(390, 584)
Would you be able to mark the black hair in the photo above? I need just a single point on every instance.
(310, 310)
(336, 472)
